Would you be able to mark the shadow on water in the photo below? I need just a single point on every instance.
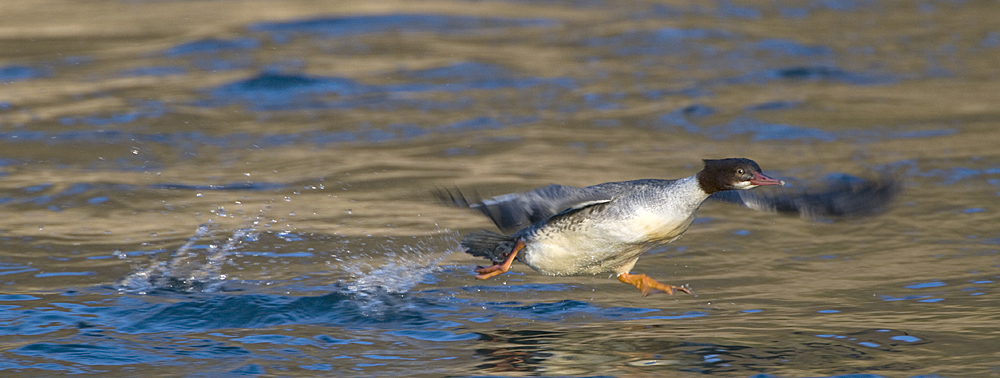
(536, 350)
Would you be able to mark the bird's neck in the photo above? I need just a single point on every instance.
(682, 196)
(692, 189)
(707, 182)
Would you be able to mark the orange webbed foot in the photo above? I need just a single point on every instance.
(650, 286)
(484, 272)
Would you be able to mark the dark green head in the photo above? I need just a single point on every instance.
(732, 174)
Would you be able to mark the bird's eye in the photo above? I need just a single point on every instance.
(739, 171)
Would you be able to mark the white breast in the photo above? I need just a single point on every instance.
(611, 240)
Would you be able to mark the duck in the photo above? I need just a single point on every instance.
(561, 230)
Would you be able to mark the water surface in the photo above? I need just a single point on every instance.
(204, 188)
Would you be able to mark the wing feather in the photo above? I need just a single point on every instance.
(842, 196)
(512, 212)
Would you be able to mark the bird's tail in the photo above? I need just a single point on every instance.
(488, 244)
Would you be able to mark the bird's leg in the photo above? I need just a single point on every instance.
(649, 285)
(498, 269)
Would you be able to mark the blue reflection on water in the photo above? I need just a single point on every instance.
(663, 41)
(18, 271)
(813, 73)
(18, 297)
(278, 91)
(21, 73)
(64, 274)
(463, 76)
(153, 71)
(330, 27)
(686, 119)
(109, 352)
(260, 141)
(295, 91)
(926, 285)
(889, 298)
(142, 110)
(789, 47)
(434, 335)
(164, 320)
(887, 339)
(212, 45)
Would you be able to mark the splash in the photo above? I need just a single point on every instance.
(193, 267)
(379, 290)
(407, 267)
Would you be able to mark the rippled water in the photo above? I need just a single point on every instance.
(211, 188)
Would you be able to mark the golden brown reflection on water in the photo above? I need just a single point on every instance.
(773, 295)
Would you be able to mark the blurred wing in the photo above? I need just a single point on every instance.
(512, 212)
(845, 196)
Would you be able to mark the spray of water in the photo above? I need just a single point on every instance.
(378, 288)
(406, 267)
(196, 266)
(193, 267)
